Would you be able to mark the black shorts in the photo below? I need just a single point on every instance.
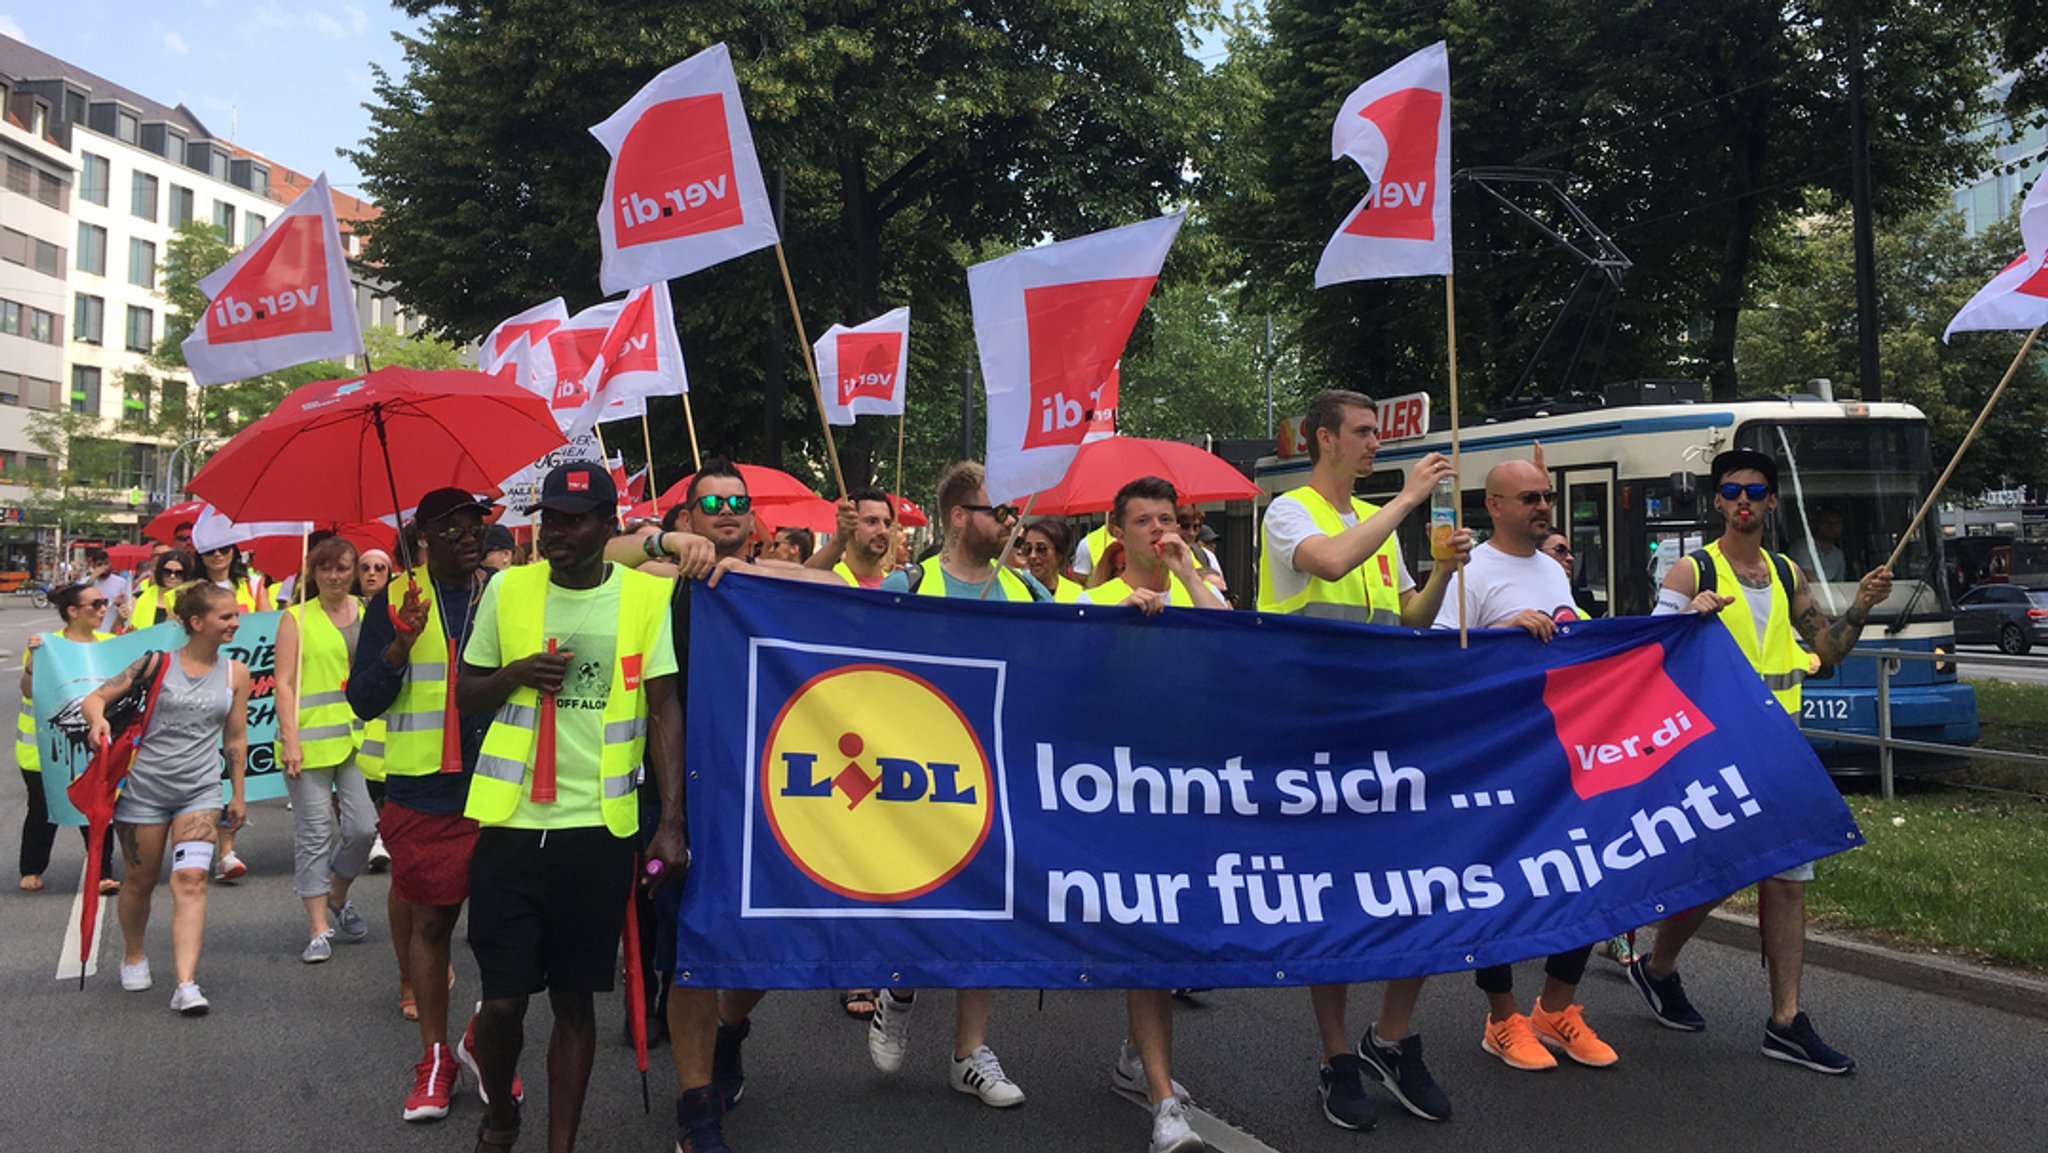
(546, 909)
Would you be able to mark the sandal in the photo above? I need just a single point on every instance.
(408, 1008)
(110, 888)
(858, 1003)
(31, 885)
(487, 1137)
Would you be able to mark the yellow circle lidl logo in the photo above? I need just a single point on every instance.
(874, 783)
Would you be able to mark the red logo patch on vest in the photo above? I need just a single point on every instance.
(629, 670)
(1386, 570)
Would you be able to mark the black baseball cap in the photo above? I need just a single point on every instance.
(577, 488)
(1738, 459)
(443, 501)
(499, 538)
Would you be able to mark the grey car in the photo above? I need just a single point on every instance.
(2013, 617)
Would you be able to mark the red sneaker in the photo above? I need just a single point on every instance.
(433, 1082)
(465, 1052)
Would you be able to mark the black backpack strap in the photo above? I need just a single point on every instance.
(1703, 570)
(1787, 574)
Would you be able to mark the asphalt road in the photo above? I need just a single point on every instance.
(301, 1057)
(2033, 673)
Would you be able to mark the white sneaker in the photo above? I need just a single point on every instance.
(189, 1000)
(379, 859)
(889, 1032)
(1129, 1075)
(981, 1074)
(135, 978)
(319, 949)
(1170, 1131)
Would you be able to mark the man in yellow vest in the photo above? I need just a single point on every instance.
(1324, 552)
(576, 659)
(401, 673)
(1762, 599)
(1160, 564)
(862, 549)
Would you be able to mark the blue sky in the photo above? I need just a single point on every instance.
(286, 78)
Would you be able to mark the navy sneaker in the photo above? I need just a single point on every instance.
(727, 1075)
(1800, 1045)
(1666, 998)
(700, 1126)
(1342, 1088)
(1401, 1070)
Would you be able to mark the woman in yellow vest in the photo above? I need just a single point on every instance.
(83, 609)
(316, 742)
(225, 567)
(1044, 548)
(167, 571)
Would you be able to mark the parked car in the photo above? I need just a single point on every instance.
(2013, 617)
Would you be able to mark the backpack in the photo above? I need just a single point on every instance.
(1703, 568)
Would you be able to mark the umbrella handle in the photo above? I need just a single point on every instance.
(544, 747)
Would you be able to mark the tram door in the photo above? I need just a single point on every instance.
(1584, 512)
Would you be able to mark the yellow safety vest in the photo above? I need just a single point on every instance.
(413, 723)
(142, 614)
(246, 598)
(506, 763)
(933, 583)
(844, 573)
(1779, 661)
(1067, 592)
(28, 752)
(369, 738)
(1115, 589)
(326, 723)
(1374, 586)
(1097, 540)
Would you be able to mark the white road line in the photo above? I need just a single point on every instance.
(1220, 1135)
(67, 958)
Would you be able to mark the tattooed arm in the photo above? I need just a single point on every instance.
(94, 706)
(1832, 640)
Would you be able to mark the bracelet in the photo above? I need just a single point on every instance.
(652, 546)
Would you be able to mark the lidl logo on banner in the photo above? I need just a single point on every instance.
(674, 175)
(876, 784)
(867, 365)
(1620, 718)
(1401, 205)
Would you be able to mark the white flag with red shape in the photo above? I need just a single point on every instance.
(1397, 126)
(557, 366)
(1103, 425)
(500, 348)
(2017, 298)
(862, 368)
(1051, 323)
(684, 191)
(283, 300)
(639, 357)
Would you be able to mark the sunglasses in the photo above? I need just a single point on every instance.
(1559, 550)
(98, 604)
(456, 534)
(1531, 498)
(376, 566)
(1733, 491)
(172, 572)
(226, 548)
(711, 503)
(1033, 548)
(1004, 513)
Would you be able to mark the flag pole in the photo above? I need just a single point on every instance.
(811, 366)
(1969, 438)
(1458, 505)
(604, 458)
(1009, 546)
(647, 446)
(690, 422)
(902, 418)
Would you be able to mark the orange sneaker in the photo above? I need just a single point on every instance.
(1513, 1042)
(1568, 1033)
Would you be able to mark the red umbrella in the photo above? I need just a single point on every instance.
(278, 556)
(126, 556)
(819, 515)
(164, 525)
(93, 794)
(765, 485)
(908, 514)
(636, 989)
(1102, 467)
(353, 450)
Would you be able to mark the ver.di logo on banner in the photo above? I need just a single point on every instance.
(878, 786)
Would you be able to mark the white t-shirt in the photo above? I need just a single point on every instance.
(1499, 585)
(1287, 524)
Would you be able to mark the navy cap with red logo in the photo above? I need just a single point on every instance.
(577, 488)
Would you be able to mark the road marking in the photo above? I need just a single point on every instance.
(1220, 1135)
(67, 957)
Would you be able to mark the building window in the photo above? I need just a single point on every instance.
(224, 218)
(97, 183)
(74, 106)
(13, 246)
(49, 259)
(10, 318)
(141, 263)
(127, 127)
(18, 174)
(92, 249)
(85, 390)
(135, 394)
(42, 326)
(142, 197)
(184, 205)
(252, 227)
(50, 191)
(141, 329)
(88, 318)
(10, 390)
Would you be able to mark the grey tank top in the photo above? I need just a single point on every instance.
(180, 750)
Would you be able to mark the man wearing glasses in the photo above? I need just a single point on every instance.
(1510, 583)
(1762, 599)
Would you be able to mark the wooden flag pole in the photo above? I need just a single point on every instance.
(1458, 505)
(1009, 546)
(1969, 438)
(901, 419)
(690, 422)
(647, 446)
(811, 366)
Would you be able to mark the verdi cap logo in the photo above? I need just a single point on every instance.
(875, 785)
(674, 175)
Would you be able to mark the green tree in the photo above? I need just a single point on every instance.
(73, 492)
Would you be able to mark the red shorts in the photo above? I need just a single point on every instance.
(429, 854)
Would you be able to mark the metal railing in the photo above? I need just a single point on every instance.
(1887, 745)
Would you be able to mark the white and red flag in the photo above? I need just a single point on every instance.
(684, 191)
(283, 300)
(862, 368)
(555, 367)
(1397, 126)
(2017, 298)
(1051, 323)
(500, 348)
(639, 357)
(1103, 425)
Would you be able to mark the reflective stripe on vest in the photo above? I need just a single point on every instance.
(507, 758)
(1372, 591)
(933, 583)
(369, 737)
(325, 722)
(28, 752)
(412, 725)
(1779, 660)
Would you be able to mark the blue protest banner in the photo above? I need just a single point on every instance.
(65, 671)
(934, 792)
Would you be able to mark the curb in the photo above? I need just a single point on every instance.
(1925, 972)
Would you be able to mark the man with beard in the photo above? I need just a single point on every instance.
(1509, 583)
(862, 548)
(1762, 599)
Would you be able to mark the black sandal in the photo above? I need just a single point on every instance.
(487, 1137)
(851, 998)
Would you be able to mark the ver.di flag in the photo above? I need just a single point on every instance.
(684, 191)
(558, 366)
(862, 367)
(2015, 299)
(1397, 126)
(501, 347)
(283, 300)
(639, 357)
(1051, 323)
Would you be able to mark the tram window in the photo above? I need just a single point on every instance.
(1586, 506)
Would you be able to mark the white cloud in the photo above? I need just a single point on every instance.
(269, 15)
(9, 26)
(325, 25)
(175, 44)
(358, 20)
